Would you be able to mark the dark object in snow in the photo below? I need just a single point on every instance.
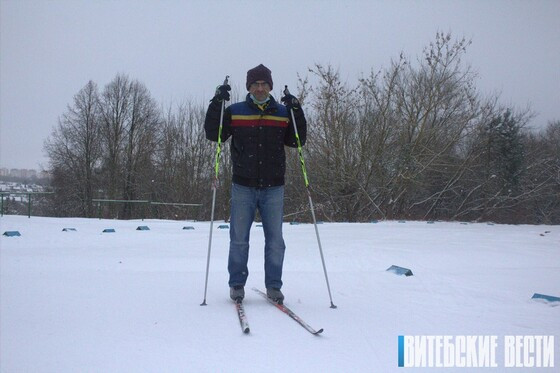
(399, 270)
(223, 226)
(12, 234)
(109, 230)
(548, 298)
(187, 228)
(143, 228)
(69, 229)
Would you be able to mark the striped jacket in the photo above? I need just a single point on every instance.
(258, 139)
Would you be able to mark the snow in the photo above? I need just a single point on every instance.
(130, 300)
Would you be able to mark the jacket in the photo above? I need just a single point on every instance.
(258, 139)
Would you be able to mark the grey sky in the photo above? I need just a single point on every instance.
(182, 49)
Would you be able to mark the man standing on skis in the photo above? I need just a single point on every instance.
(260, 127)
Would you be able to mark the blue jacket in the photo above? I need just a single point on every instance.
(258, 139)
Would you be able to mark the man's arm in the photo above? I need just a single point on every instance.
(293, 106)
(212, 121)
(301, 124)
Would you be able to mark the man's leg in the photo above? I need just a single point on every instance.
(271, 208)
(243, 205)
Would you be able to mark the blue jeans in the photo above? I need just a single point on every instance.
(244, 203)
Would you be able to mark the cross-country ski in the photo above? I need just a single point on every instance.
(242, 317)
(289, 312)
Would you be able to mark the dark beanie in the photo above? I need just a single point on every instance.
(260, 72)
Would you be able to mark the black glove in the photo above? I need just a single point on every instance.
(222, 93)
(291, 102)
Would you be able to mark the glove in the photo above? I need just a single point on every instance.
(291, 102)
(222, 93)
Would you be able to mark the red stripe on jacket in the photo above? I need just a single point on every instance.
(258, 122)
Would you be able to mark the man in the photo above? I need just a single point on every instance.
(260, 128)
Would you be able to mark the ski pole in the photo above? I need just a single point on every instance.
(214, 187)
(306, 180)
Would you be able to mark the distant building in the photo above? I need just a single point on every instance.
(19, 173)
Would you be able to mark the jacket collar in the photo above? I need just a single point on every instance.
(271, 108)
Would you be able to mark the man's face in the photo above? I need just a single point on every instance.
(260, 89)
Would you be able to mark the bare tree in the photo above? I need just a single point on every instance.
(140, 143)
(394, 140)
(130, 120)
(115, 115)
(333, 153)
(542, 175)
(74, 152)
(185, 158)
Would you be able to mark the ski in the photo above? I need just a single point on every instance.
(290, 313)
(242, 317)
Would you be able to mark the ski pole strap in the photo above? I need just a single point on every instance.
(298, 141)
(219, 147)
(300, 150)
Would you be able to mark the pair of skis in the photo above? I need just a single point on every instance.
(245, 324)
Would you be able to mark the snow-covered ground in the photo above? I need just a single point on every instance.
(129, 301)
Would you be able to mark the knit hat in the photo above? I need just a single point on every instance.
(260, 72)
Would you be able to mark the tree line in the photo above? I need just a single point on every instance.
(414, 140)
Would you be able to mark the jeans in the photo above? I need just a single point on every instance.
(244, 203)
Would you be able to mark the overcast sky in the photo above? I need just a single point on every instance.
(183, 49)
